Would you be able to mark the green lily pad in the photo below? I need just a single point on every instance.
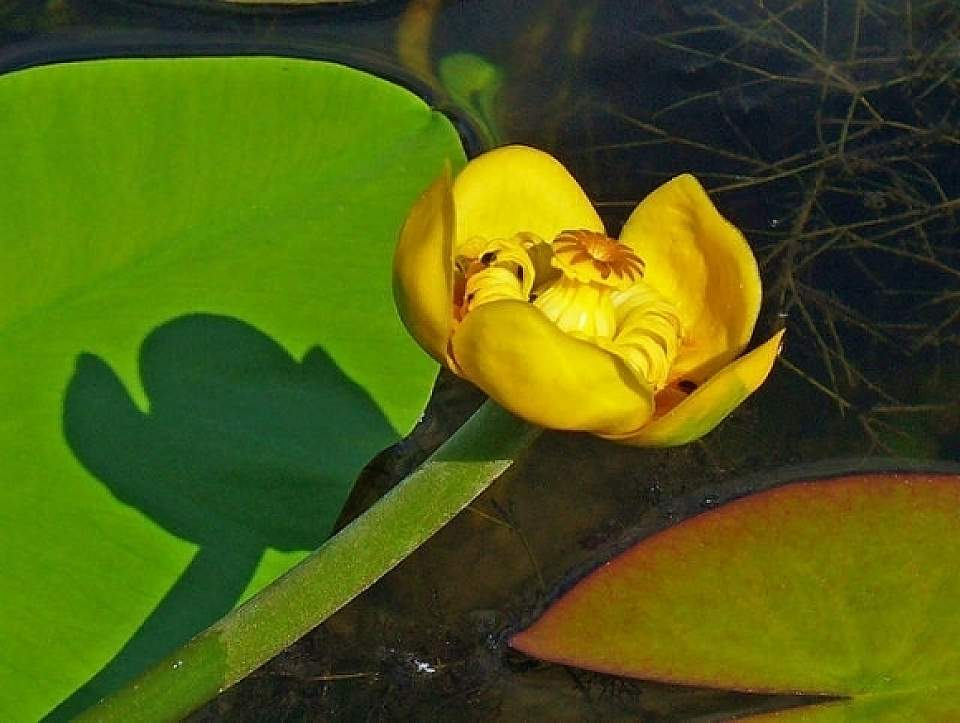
(198, 344)
(843, 587)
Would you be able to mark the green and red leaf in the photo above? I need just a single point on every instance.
(848, 586)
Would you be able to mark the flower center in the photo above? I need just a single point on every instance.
(589, 285)
(591, 257)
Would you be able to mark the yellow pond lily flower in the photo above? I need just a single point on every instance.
(507, 276)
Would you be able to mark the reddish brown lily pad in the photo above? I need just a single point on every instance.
(848, 586)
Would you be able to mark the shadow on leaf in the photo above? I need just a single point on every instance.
(243, 449)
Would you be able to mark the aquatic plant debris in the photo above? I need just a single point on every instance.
(506, 276)
(845, 587)
(838, 120)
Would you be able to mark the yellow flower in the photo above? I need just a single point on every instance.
(506, 276)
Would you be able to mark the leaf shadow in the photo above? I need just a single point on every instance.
(243, 448)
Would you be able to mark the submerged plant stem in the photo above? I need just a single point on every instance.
(343, 567)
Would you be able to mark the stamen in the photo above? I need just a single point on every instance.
(491, 270)
(649, 333)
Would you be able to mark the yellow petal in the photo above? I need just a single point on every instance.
(707, 406)
(522, 360)
(702, 264)
(516, 188)
(423, 268)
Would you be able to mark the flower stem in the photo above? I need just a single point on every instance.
(343, 567)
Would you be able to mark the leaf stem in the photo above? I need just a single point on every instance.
(343, 567)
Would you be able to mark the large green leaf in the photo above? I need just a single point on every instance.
(198, 347)
(844, 587)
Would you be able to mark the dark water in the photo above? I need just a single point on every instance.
(828, 130)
